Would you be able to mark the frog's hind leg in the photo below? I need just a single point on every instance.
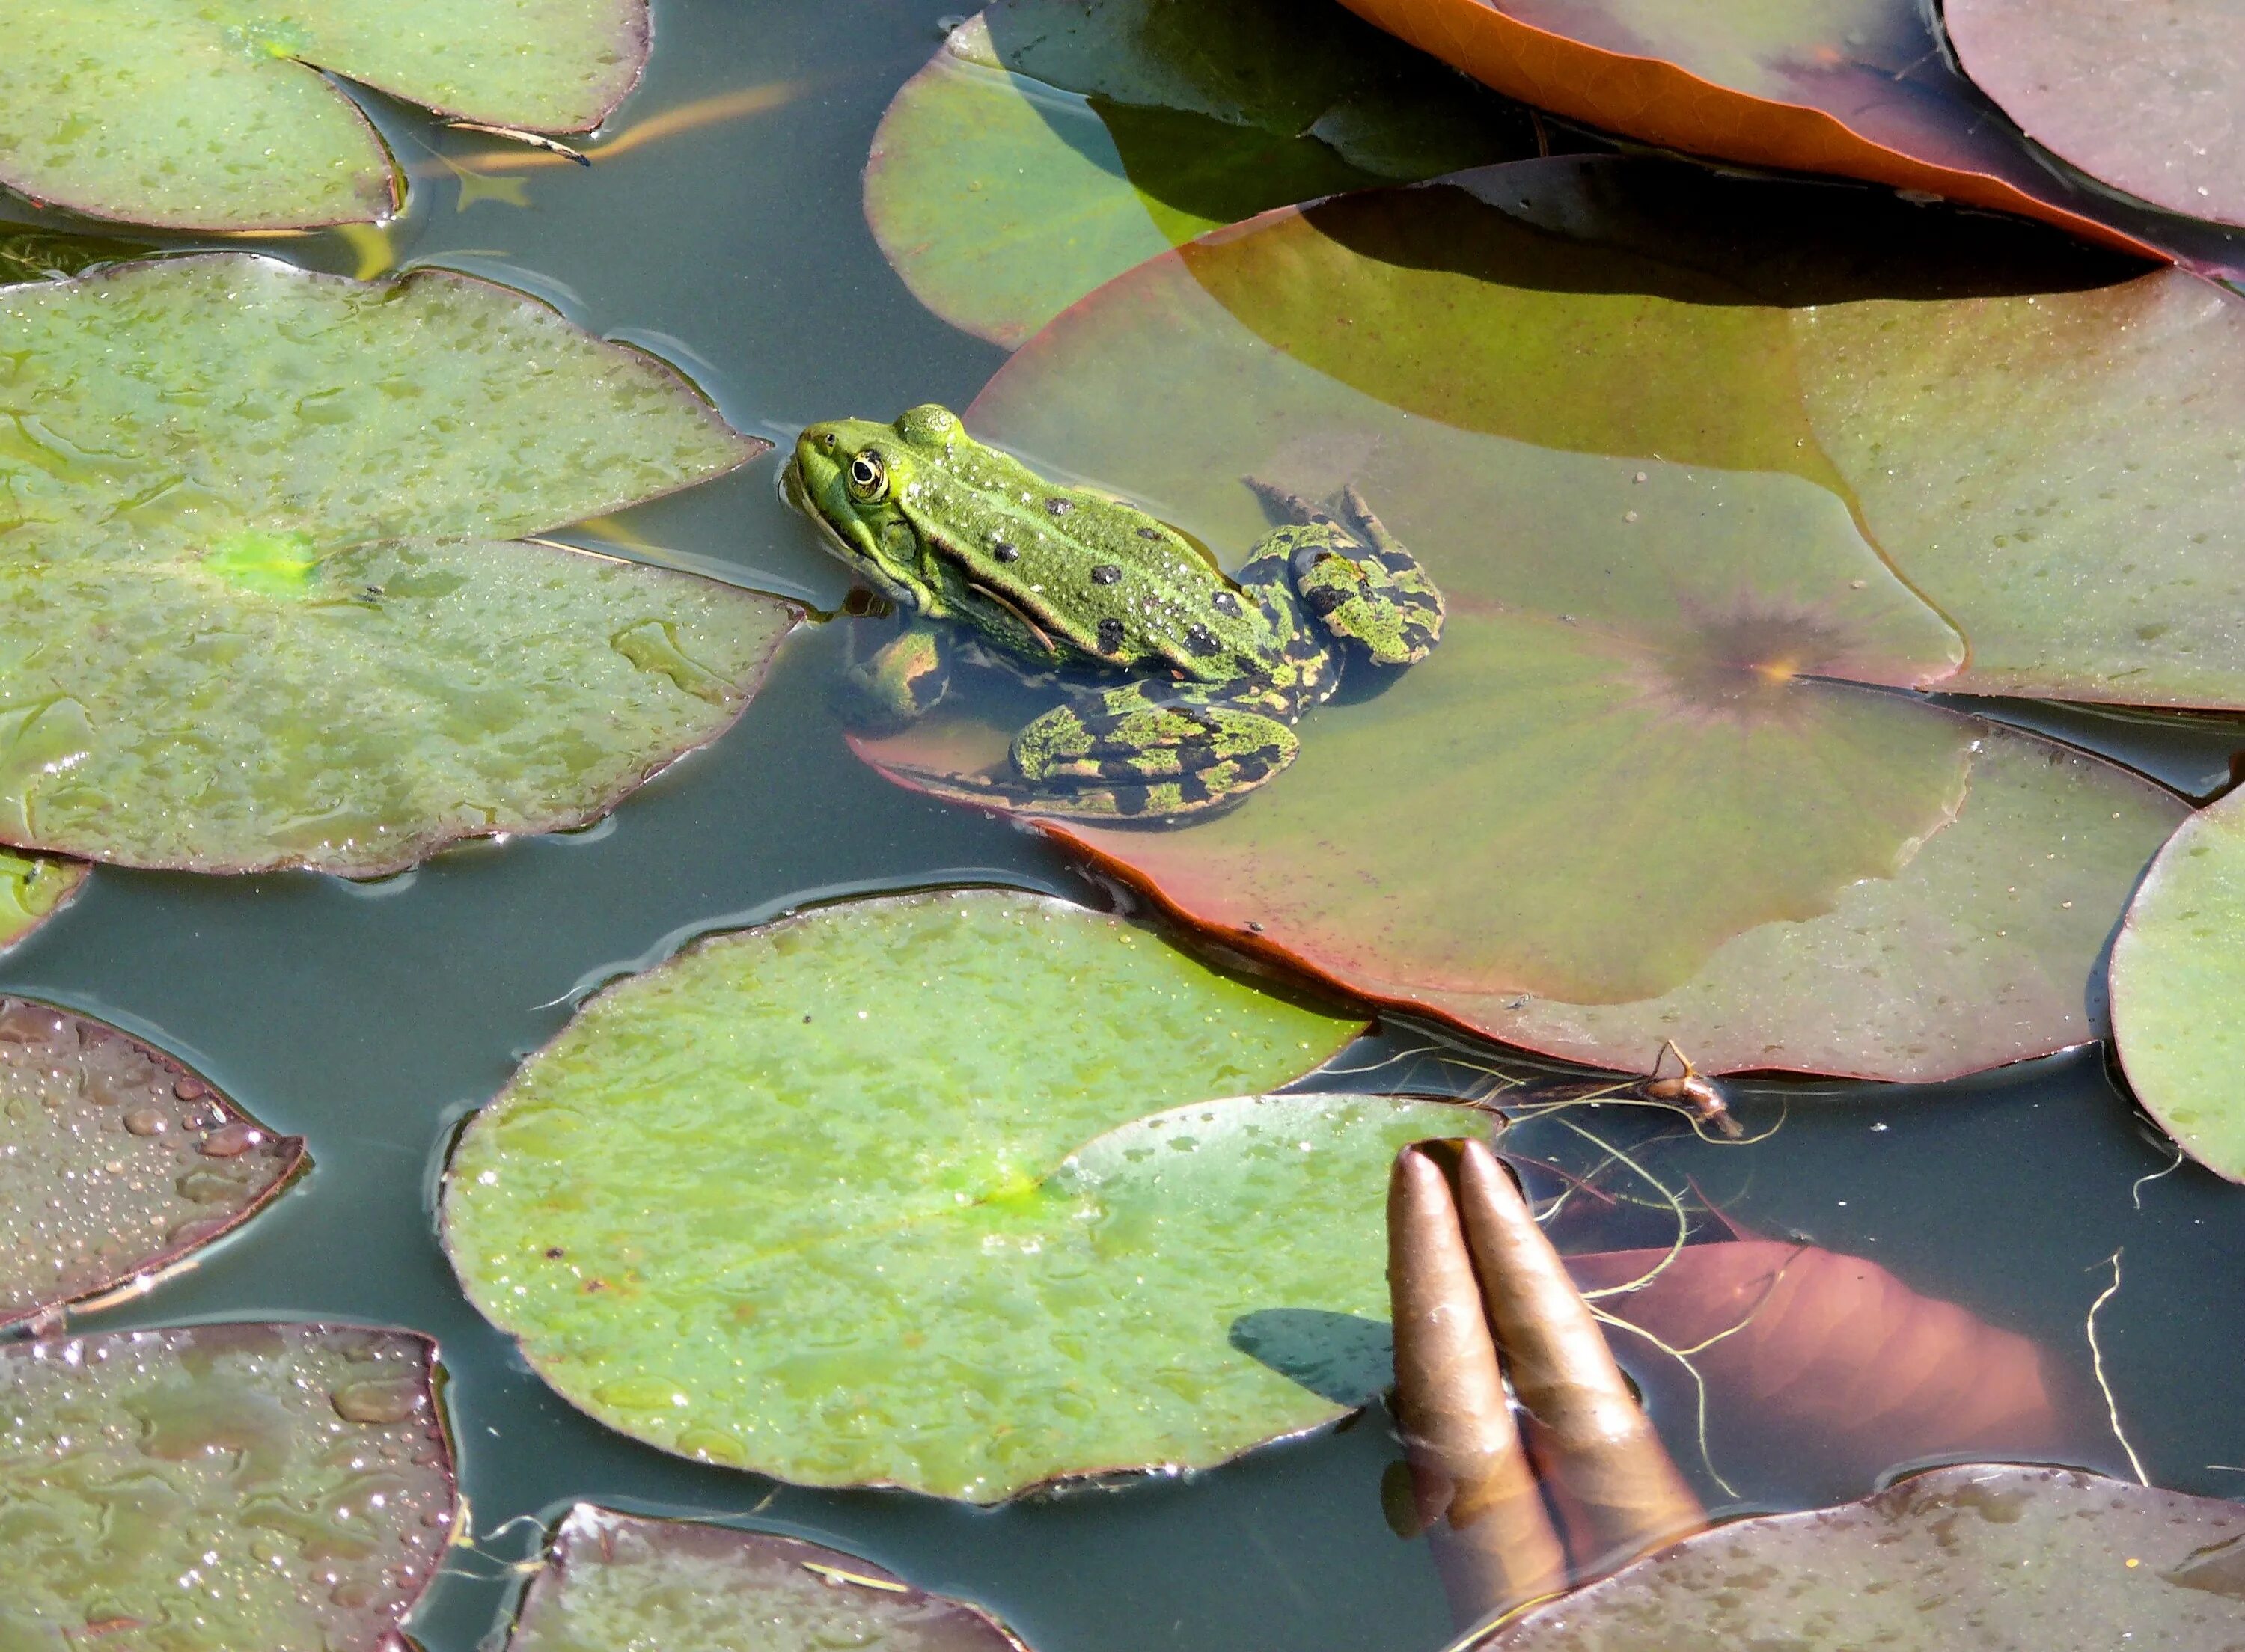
(1151, 751)
(1358, 579)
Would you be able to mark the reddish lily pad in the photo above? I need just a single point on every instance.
(2144, 97)
(614, 1580)
(285, 479)
(33, 888)
(1984, 1556)
(117, 1160)
(219, 1488)
(191, 116)
(1654, 781)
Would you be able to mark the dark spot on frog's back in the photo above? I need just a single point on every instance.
(1110, 635)
(1198, 639)
(1225, 603)
(1059, 507)
(1005, 552)
(1105, 573)
(1150, 533)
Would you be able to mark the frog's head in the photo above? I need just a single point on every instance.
(860, 482)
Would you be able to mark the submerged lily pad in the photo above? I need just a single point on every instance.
(220, 1488)
(2178, 980)
(2143, 99)
(117, 1160)
(244, 621)
(1049, 146)
(1655, 781)
(925, 1191)
(613, 1580)
(191, 115)
(33, 889)
(1980, 1555)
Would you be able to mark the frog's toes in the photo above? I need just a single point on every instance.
(900, 683)
(1382, 600)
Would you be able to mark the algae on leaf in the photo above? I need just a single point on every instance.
(927, 1191)
(216, 115)
(246, 618)
(220, 1488)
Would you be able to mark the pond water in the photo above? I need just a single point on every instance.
(371, 1018)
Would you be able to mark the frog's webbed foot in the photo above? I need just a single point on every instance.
(1151, 751)
(902, 682)
(1356, 577)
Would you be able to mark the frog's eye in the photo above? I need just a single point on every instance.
(868, 477)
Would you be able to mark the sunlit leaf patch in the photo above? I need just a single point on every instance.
(929, 1191)
(221, 1487)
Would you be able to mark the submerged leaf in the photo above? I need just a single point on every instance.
(117, 1160)
(902, 1192)
(1049, 146)
(220, 1488)
(2178, 978)
(613, 1581)
(33, 889)
(1980, 1555)
(191, 115)
(243, 621)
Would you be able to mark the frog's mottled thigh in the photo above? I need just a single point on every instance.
(1360, 583)
(903, 681)
(1152, 750)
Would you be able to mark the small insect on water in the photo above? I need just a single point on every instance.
(1674, 1079)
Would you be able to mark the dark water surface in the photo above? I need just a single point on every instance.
(370, 1018)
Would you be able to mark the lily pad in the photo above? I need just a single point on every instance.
(926, 1192)
(247, 619)
(117, 1160)
(33, 889)
(1655, 779)
(221, 1487)
(2145, 101)
(189, 115)
(2178, 978)
(1979, 1555)
(615, 1580)
(1050, 146)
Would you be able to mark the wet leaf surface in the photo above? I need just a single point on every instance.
(219, 1488)
(1657, 758)
(284, 476)
(33, 889)
(2178, 978)
(615, 1580)
(1048, 146)
(2142, 98)
(938, 1172)
(194, 116)
(1978, 1556)
(115, 1159)
(1861, 88)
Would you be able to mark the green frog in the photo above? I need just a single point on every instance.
(1212, 671)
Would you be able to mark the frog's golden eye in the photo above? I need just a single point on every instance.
(868, 477)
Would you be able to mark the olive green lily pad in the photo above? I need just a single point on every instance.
(927, 1192)
(1048, 146)
(1980, 1555)
(33, 889)
(248, 617)
(115, 1161)
(220, 1488)
(2178, 983)
(614, 1580)
(191, 115)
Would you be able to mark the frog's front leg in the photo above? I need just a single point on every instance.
(1152, 750)
(903, 681)
(1357, 578)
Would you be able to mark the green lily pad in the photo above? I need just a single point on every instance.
(33, 889)
(615, 1580)
(926, 1192)
(2178, 978)
(1978, 1556)
(219, 1488)
(117, 1160)
(191, 115)
(1655, 778)
(246, 618)
(1049, 146)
